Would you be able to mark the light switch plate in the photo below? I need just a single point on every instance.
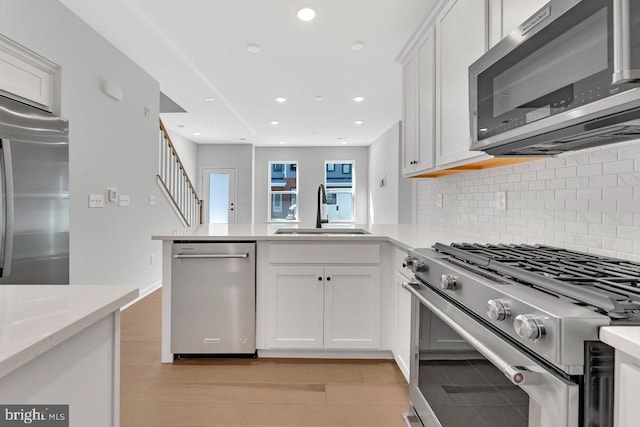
(124, 200)
(501, 200)
(439, 200)
(96, 201)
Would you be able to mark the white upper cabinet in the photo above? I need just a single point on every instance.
(419, 96)
(25, 75)
(507, 15)
(461, 38)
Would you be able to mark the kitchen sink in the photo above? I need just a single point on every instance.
(322, 231)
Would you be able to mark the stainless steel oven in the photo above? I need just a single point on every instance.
(566, 79)
(507, 335)
(469, 376)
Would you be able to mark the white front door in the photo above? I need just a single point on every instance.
(220, 195)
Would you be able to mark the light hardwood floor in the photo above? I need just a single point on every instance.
(246, 392)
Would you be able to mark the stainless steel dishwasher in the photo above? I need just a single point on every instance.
(213, 298)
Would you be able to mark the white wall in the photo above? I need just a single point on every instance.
(111, 144)
(588, 201)
(388, 204)
(310, 176)
(188, 153)
(229, 156)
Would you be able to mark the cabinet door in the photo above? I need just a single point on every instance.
(410, 113)
(352, 307)
(426, 104)
(403, 334)
(294, 311)
(461, 38)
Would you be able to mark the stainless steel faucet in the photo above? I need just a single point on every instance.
(321, 200)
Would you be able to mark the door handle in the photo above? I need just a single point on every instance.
(210, 256)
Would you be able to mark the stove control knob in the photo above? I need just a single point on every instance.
(448, 282)
(498, 310)
(529, 327)
(414, 264)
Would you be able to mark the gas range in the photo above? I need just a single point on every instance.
(546, 299)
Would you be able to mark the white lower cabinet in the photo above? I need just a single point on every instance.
(402, 350)
(352, 307)
(316, 307)
(295, 317)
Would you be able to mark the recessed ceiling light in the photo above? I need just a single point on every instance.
(196, 133)
(282, 142)
(281, 99)
(359, 98)
(359, 122)
(275, 122)
(253, 48)
(318, 98)
(180, 126)
(209, 99)
(357, 45)
(344, 142)
(306, 14)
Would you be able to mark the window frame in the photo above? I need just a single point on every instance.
(352, 169)
(270, 192)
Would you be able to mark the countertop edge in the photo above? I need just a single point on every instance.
(623, 338)
(25, 355)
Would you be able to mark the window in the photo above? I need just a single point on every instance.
(339, 180)
(283, 191)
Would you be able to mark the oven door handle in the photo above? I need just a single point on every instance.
(517, 375)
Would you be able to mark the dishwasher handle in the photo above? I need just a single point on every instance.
(211, 256)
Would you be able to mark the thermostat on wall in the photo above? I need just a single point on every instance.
(112, 195)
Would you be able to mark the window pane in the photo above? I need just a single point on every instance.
(340, 206)
(284, 176)
(339, 176)
(283, 206)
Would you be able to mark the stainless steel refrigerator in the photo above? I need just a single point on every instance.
(34, 195)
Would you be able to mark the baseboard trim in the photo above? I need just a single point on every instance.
(143, 293)
(327, 354)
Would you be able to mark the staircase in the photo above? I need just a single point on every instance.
(174, 181)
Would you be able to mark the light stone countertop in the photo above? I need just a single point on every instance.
(623, 338)
(36, 318)
(405, 236)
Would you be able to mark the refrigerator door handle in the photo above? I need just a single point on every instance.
(7, 168)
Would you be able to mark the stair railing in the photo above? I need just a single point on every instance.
(173, 179)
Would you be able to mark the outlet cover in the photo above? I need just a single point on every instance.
(501, 200)
(124, 200)
(439, 200)
(96, 201)
(152, 200)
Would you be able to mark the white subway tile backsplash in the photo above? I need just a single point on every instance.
(617, 219)
(588, 200)
(603, 181)
(618, 245)
(602, 156)
(619, 166)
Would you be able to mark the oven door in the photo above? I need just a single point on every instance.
(463, 374)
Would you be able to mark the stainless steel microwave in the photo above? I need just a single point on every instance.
(566, 79)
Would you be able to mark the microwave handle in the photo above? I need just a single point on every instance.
(622, 67)
(517, 375)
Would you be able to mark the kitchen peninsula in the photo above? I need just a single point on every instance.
(360, 319)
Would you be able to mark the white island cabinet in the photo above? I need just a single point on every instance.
(60, 345)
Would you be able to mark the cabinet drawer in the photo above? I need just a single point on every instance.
(324, 253)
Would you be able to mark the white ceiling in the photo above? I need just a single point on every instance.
(196, 49)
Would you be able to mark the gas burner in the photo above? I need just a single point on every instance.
(611, 286)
